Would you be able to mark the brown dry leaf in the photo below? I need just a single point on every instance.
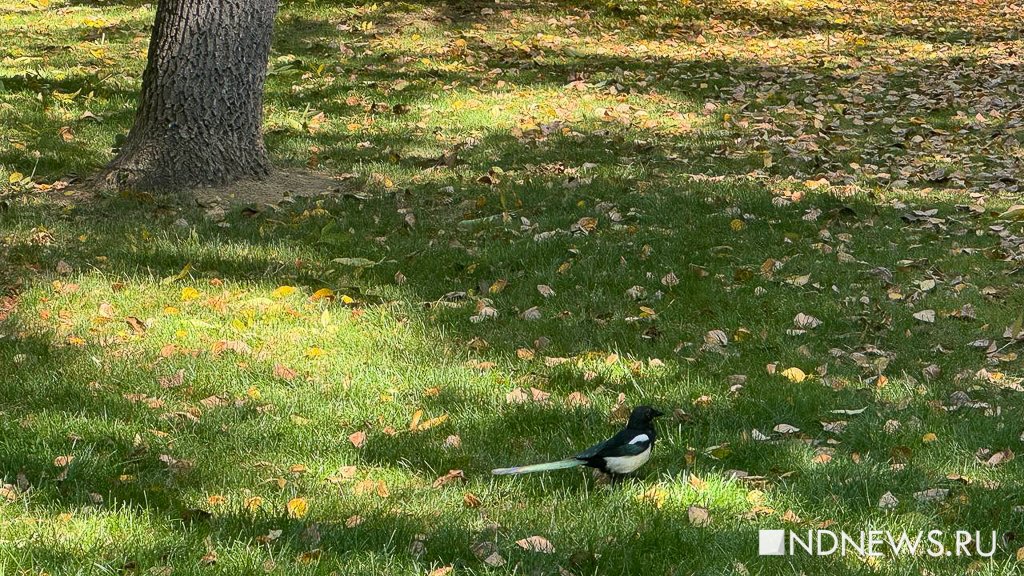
(524, 354)
(308, 557)
(620, 411)
(354, 521)
(364, 487)
(539, 396)
(698, 516)
(577, 399)
(442, 571)
(213, 401)
(176, 379)
(358, 439)
(517, 396)
(470, 500)
(284, 373)
(536, 544)
(236, 346)
(451, 476)
(61, 461)
(106, 311)
(137, 326)
(1000, 457)
(453, 441)
(587, 224)
(488, 553)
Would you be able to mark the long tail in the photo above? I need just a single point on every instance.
(567, 463)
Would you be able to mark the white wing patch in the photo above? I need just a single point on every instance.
(627, 464)
(640, 439)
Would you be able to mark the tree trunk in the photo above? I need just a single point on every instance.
(199, 120)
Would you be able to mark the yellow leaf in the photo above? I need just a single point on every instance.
(297, 508)
(15, 177)
(929, 437)
(433, 422)
(253, 504)
(216, 500)
(253, 392)
(170, 310)
(283, 291)
(794, 374)
(321, 294)
(314, 352)
(416, 417)
(736, 224)
(347, 300)
(189, 293)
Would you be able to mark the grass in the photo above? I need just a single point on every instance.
(769, 155)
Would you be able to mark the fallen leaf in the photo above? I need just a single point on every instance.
(536, 544)
(698, 516)
(794, 375)
(283, 372)
(888, 501)
(297, 507)
(358, 439)
(283, 291)
(451, 476)
(927, 316)
(353, 521)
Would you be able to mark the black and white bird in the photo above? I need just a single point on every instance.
(621, 454)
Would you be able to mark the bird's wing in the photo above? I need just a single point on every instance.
(625, 443)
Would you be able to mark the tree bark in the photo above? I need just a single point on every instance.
(200, 116)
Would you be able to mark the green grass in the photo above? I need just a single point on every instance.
(666, 142)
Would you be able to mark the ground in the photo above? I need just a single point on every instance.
(789, 224)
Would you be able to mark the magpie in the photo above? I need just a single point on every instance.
(618, 455)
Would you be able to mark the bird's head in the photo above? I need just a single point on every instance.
(642, 416)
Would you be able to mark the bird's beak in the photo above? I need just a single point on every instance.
(655, 413)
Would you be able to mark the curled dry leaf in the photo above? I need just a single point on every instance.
(353, 521)
(358, 439)
(888, 501)
(1001, 457)
(806, 322)
(716, 338)
(670, 279)
(517, 396)
(488, 553)
(698, 516)
(932, 495)
(451, 476)
(786, 429)
(536, 544)
(545, 290)
(531, 314)
(577, 400)
(62, 461)
(283, 372)
(927, 316)
(471, 500)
